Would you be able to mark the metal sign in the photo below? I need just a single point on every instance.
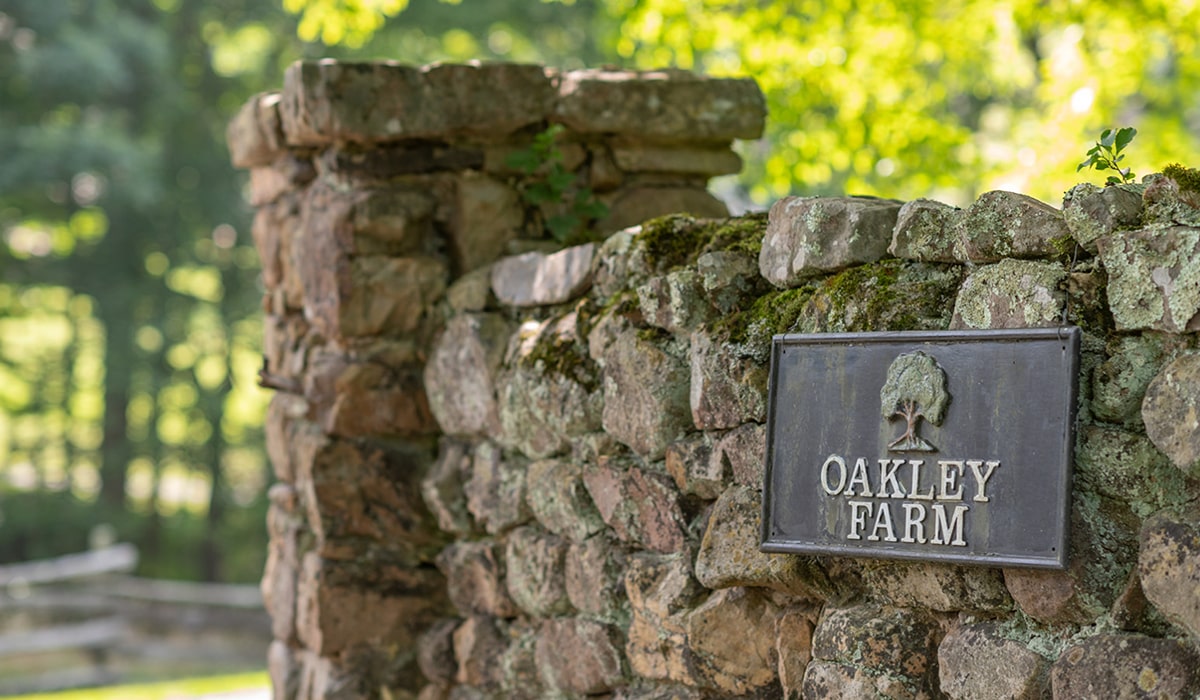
(950, 446)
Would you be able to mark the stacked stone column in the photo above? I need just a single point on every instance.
(383, 193)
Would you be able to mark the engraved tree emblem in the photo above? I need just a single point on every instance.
(915, 388)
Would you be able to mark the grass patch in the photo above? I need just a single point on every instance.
(164, 690)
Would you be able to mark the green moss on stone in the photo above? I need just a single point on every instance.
(558, 356)
(676, 240)
(1188, 179)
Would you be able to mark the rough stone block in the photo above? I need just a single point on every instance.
(1154, 278)
(727, 389)
(732, 639)
(580, 656)
(374, 389)
(521, 677)
(334, 615)
(811, 236)
(549, 395)
(827, 679)
(661, 592)
(327, 101)
(1165, 203)
(941, 587)
(691, 464)
(894, 641)
(475, 579)
(284, 670)
(442, 487)
(1171, 411)
(390, 220)
(435, 652)
(496, 490)
(660, 106)
(793, 647)
(254, 135)
(559, 500)
(460, 377)
(538, 279)
(354, 490)
(487, 216)
(472, 291)
(1169, 569)
(479, 646)
(1124, 667)
(282, 431)
(274, 228)
(977, 663)
(1093, 212)
(1119, 382)
(646, 404)
(595, 572)
(613, 267)
(633, 204)
(369, 295)
(675, 301)
(639, 506)
(1011, 294)
(535, 564)
(743, 451)
(1125, 466)
(729, 554)
(923, 231)
(1006, 224)
(689, 161)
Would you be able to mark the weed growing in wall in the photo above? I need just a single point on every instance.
(551, 188)
(1106, 155)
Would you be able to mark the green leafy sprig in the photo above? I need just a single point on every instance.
(1106, 155)
(550, 184)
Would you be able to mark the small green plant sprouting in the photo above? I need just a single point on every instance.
(550, 186)
(1106, 155)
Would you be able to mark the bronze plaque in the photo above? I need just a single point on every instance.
(950, 446)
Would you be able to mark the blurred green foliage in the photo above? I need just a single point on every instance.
(129, 330)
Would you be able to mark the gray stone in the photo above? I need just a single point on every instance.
(612, 270)
(826, 679)
(460, 377)
(1125, 466)
(521, 679)
(977, 663)
(559, 500)
(634, 204)
(1119, 382)
(596, 579)
(369, 295)
(1011, 294)
(603, 175)
(924, 231)
(1165, 203)
(435, 652)
(254, 135)
(727, 389)
(690, 463)
(731, 637)
(893, 641)
(1169, 569)
(1125, 667)
(730, 278)
(729, 554)
(327, 101)
(1171, 411)
(487, 216)
(641, 507)
(1095, 212)
(1154, 278)
(537, 279)
(689, 161)
(659, 106)
(475, 579)
(1006, 224)
(496, 490)
(580, 656)
(675, 301)
(941, 587)
(811, 236)
(550, 394)
(743, 451)
(536, 578)
(645, 395)
(472, 291)
(442, 487)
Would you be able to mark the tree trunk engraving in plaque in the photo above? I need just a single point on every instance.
(915, 388)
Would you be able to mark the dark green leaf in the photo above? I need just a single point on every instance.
(1107, 137)
(1124, 136)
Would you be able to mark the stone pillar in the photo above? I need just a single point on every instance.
(384, 192)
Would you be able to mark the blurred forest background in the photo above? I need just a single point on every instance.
(129, 293)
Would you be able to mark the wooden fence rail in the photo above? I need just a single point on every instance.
(82, 620)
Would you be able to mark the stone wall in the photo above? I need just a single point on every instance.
(513, 469)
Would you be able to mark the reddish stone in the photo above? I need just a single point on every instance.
(640, 507)
(461, 374)
(475, 579)
(691, 464)
(374, 389)
(743, 451)
(580, 656)
(536, 579)
(435, 652)
(793, 645)
(1124, 667)
(479, 645)
(496, 490)
(255, 135)
(732, 639)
